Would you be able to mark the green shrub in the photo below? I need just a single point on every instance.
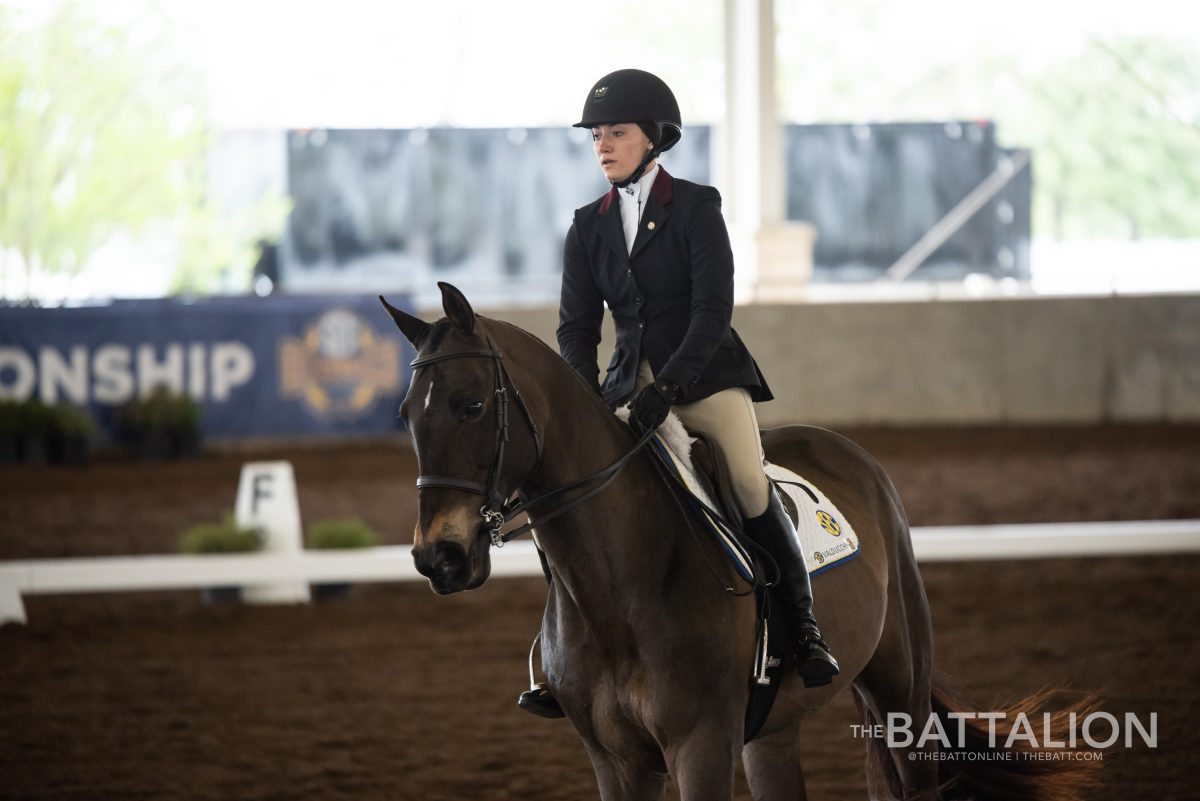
(223, 537)
(10, 417)
(34, 418)
(161, 410)
(348, 533)
(71, 421)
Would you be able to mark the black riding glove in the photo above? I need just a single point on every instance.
(652, 405)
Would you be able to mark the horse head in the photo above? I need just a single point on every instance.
(456, 413)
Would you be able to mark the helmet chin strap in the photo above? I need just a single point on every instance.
(651, 154)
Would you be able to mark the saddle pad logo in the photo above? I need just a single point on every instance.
(829, 523)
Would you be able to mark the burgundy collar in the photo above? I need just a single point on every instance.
(661, 190)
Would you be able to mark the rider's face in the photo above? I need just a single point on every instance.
(620, 149)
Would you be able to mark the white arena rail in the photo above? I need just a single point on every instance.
(253, 570)
(174, 572)
(394, 563)
(1045, 540)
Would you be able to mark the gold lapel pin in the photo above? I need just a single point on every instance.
(650, 225)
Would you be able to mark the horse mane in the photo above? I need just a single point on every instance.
(550, 353)
(672, 431)
(439, 330)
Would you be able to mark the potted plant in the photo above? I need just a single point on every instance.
(220, 538)
(71, 430)
(338, 534)
(10, 428)
(143, 422)
(185, 428)
(33, 429)
(162, 425)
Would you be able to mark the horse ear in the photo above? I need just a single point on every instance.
(413, 328)
(457, 308)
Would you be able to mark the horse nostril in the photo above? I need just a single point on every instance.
(446, 564)
(449, 558)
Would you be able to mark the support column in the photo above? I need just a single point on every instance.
(774, 256)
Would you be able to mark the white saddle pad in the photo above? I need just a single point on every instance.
(826, 535)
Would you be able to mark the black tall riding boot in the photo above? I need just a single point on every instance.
(773, 530)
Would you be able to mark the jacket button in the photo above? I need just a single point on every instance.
(641, 325)
(637, 300)
(629, 272)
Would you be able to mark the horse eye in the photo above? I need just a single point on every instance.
(474, 408)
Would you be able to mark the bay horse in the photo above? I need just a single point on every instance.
(648, 655)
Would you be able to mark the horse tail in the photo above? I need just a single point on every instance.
(1001, 771)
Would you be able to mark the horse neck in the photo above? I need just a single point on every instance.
(613, 552)
(618, 541)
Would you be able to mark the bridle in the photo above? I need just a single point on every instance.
(495, 505)
(498, 508)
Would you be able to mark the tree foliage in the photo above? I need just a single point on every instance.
(1113, 120)
(1116, 131)
(98, 136)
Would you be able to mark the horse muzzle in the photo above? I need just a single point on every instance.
(451, 567)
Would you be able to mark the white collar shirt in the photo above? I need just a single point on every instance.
(633, 204)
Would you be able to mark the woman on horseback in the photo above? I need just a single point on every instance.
(656, 250)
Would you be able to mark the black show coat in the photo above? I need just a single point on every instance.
(671, 298)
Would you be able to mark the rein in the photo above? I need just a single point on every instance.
(498, 508)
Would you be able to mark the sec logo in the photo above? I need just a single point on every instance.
(829, 523)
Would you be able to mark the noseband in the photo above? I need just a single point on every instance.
(498, 508)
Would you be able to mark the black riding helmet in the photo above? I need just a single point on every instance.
(635, 96)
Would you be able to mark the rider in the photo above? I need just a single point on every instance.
(656, 250)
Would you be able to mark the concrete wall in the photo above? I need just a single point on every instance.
(1020, 360)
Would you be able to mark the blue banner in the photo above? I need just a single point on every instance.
(257, 366)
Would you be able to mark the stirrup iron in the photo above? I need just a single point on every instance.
(538, 699)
